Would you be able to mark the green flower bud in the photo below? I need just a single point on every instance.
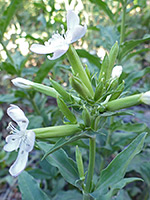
(117, 92)
(112, 85)
(123, 102)
(57, 131)
(45, 90)
(80, 164)
(80, 87)
(26, 84)
(104, 66)
(99, 90)
(65, 110)
(86, 117)
(78, 68)
(66, 96)
(112, 57)
(87, 72)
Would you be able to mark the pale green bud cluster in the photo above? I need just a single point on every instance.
(92, 102)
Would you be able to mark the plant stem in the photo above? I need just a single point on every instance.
(109, 132)
(92, 150)
(86, 196)
(7, 52)
(122, 36)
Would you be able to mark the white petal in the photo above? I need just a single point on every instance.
(58, 54)
(117, 71)
(18, 116)
(13, 143)
(145, 98)
(22, 83)
(72, 19)
(29, 142)
(41, 49)
(76, 33)
(20, 163)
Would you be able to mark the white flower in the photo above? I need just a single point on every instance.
(22, 83)
(116, 72)
(23, 139)
(145, 98)
(59, 44)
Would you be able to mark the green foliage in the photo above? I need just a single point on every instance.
(29, 188)
(67, 167)
(115, 171)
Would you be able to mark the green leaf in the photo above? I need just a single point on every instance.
(130, 127)
(116, 113)
(91, 58)
(39, 174)
(62, 142)
(135, 53)
(44, 70)
(121, 184)
(135, 76)
(104, 7)
(8, 15)
(29, 188)
(9, 68)
(115, 171)
(68, 195)
(128, 46)
(122, 195)
(67, 167)
(8, 98)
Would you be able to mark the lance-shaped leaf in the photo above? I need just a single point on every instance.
(128, 46)
(7, 16)
(64, 141)
(67, 167)
(103, 5)
(29, 188)
(115, 171)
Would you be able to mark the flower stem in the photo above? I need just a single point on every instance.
(122, 36)
(78, 68)
(92, 150)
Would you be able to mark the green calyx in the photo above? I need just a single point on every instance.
(57, 131)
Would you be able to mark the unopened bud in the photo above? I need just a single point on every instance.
(57, 131)
(79, 86)
(117, 71)
(22, 83)
(65, 110)
(26, 84)
(145, 98)
(86, 117)
(118, 91)
(80, 164)
(99, 90)
(112, 57)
